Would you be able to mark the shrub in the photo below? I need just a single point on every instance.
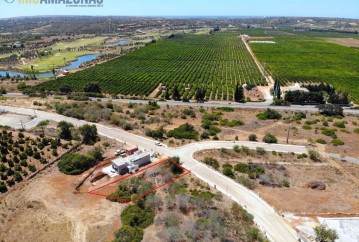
(270, 139)
(96, 153)
(241, 167)
(252, 137)
(269, 114)
(337, 142)
(89, 134)
(321, 141)
(286, 183)
(331, 110)
(3, 187)
(232, 123)
(129, 234)
(328, 132)
(307, 127)
(227, 171)
(356, 130)
(184, 131)
(75, 164)
(137, 217)
(325, 234)
(250, 184)
(211, 162)
(340, 124)
(314, 155)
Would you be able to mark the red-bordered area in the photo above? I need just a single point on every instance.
(186, 172)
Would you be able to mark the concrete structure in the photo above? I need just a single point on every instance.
(131, 163)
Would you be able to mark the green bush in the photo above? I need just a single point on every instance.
(307, 127)
(241, 167)
(356, 130)
(184, 131)
(233, 123)
(137, 217)
(328, 132)
(269, 114)
(227, 171)
(129, 234)
(270, 139)
(339, 124)
(75, 164)
(211, 162)
(337, 142)
(252, 137)
(250, 184)
(321, 141)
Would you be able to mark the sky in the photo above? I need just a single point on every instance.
(259, 8)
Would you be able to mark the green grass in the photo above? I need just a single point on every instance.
(57, 59)
(299, 59)
(213, 62)
(78, 43)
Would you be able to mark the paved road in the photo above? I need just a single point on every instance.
(265, 216)
(251, 105)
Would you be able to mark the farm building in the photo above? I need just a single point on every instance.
(131, 163)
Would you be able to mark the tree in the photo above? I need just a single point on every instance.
(21, 86)
(331, 110)
(96, 153)
(65, 89)
(239, 93)
(92, 87)
(75, 164)
(65, 130)
(129, 234)
(175, 165)
(89, 134)
(325, 234)
(252, 137)
(200, 95)
(176, 95)
(270, 139)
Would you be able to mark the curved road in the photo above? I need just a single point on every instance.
(265, 216)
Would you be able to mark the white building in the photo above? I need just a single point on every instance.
(131, 163)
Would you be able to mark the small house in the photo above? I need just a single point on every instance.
(131, 163)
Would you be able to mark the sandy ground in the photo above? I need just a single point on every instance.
(341, 196)
(47, 209)
(349, 42)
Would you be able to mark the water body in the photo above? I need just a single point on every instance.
(73, 65)
(120, 42)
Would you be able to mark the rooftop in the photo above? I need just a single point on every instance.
(130, 159)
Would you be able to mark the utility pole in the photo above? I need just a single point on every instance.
(288, 134)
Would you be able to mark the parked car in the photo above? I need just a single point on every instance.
(120, 152)
(158, 144)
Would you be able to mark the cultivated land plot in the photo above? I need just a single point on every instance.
(300, 59)
(214, 62)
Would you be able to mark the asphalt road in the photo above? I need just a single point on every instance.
(215, 104)
(265, 216)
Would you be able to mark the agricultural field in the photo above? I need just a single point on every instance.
(215, 63)
(299, 59)
(22, 154)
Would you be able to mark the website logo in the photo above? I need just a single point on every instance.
(67, 3)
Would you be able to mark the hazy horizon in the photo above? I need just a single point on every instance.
(186, 8)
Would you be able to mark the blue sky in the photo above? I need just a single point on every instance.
(313, 8)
